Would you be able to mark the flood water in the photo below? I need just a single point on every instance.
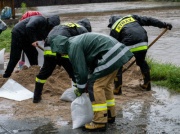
(160, 116)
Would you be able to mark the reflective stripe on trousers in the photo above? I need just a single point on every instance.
(40, 81)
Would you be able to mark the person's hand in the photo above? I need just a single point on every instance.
(78, 92)
(35, 44)
(169, 26)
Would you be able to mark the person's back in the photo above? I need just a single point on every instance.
(32, 26)
(86, 45)
(71, 29)
(129, 29)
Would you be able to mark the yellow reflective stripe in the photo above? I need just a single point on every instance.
(65, 56)
(110, 102)
(72, 25)
(40, 81)
(122, 23)
(99, 107)
(139, 48)
(49, 52)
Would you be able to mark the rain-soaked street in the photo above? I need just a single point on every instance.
(158, 116)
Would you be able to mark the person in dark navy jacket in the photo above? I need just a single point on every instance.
(129, 31)
(52, 59)
(25, 35)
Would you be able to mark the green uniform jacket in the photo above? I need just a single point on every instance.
(93, 53)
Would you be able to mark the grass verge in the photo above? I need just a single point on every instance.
(165, 75)
(5, 39)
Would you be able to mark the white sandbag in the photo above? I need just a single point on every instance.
(15, 91)
(69, 94)
(81, 111)
(2, 61)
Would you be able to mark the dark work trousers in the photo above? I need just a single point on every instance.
(17, 45)
(48, 67)
(50, 63)
(140, 61)
(65, 62)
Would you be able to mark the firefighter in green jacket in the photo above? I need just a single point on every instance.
(95, 59)
(129, 31)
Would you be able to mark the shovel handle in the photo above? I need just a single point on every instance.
(157, 38)
(148, 48)
(40, 47)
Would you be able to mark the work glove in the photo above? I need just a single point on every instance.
(78, 92)
(168, 26)
(74, 85)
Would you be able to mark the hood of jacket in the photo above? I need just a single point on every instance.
(59, 44)
(53, 21)
(113, 19)
(85, 23)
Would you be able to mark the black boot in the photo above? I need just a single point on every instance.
(110, 118)
(37, 93)
(118, 83)
(147, 81)
(117, 90)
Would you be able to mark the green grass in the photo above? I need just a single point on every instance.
(5, 39)
(165, 75)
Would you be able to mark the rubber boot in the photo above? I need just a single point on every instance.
(95, 127)
(110, 118)
(118, 83)
(37, 92)
(147, 82)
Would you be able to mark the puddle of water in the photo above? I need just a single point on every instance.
(46, 129)
(160, 116)
(62, 123)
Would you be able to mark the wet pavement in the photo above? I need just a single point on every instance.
(160, 116)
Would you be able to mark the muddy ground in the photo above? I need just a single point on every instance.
(51, 106)
(55, 110)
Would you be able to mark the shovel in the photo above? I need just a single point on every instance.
(40, 47)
